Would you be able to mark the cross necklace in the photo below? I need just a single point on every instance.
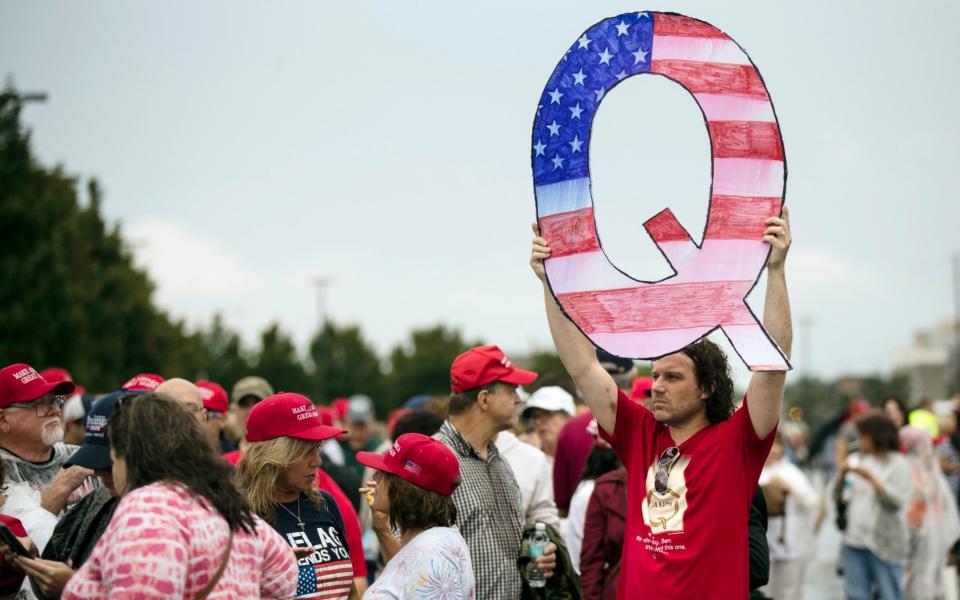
(297, 516)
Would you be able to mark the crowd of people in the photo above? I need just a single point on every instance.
(645, 487)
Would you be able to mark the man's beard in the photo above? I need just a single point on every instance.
(49, 435)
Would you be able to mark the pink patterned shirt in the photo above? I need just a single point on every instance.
(162, 543)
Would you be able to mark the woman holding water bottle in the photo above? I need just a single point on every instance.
(412, 488)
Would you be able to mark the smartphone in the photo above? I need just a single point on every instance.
(11, 540)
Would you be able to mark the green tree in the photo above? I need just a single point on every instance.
(422, 364)
(278, 363)
(345, 364)
(818, 399)
(877, 388)
(546, 364)
(71, 296)
(225, 360)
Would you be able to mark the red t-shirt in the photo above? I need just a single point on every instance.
(691, 541)
(351, 523)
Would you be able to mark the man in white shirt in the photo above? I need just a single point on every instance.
(534, 475)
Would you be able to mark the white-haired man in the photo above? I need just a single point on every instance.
(31, 434)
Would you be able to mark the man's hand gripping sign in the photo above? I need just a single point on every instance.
(640, 319)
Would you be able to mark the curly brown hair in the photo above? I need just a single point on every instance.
(713, 376)
(161, 441)
(412, 507)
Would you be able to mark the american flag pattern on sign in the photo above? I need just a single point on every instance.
(641, 319)
(329, 581)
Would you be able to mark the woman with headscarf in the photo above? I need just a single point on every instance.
(181, 528)
(278, 473)
(931, 516)
(413, 487)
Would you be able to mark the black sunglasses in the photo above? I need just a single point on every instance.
(664, 464)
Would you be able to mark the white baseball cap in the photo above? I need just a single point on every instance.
(550, 398)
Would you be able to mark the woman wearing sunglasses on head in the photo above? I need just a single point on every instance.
(181, 528)
(278, 473)
(413, 486)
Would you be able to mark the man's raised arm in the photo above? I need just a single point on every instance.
(765, 393)
(576, 351)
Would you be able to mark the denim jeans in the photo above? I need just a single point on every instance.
(862, 571)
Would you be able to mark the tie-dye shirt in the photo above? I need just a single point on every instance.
(162, 543)
(435, 565)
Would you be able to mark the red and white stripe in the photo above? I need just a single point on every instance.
(711, 281)
(334, 580)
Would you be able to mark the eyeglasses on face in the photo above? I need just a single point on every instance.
(43, 406)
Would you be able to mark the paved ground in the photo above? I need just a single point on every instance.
(822, 582)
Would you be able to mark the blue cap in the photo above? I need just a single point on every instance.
(95, 451)
(417, 402)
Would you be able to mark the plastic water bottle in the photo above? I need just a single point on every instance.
(538, 542)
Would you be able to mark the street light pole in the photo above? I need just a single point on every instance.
(322, 283)
(22, 98)
(32, 97)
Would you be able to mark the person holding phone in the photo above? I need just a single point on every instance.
(181, 528)
(76, 534)
(278, 473)
(14, 542)
(33, 452)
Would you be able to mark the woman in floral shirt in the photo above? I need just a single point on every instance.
(412, 487)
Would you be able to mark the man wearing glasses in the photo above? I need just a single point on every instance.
(31, 434)
(692, 460)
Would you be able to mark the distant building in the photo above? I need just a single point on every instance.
(930, 362)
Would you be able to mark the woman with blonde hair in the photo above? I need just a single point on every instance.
(181, 528)
(278, 474)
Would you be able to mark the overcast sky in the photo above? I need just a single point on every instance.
(247, 147)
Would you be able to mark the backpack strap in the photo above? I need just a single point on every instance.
(216, 576)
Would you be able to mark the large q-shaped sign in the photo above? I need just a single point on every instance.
(641, 319)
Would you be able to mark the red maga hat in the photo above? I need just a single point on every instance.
(485, 364)
(213, 395)
(339, 408)
(144, 382)
(56, 375)
(326, 415)
(423, 461)
(20, 382)
(290, 415)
